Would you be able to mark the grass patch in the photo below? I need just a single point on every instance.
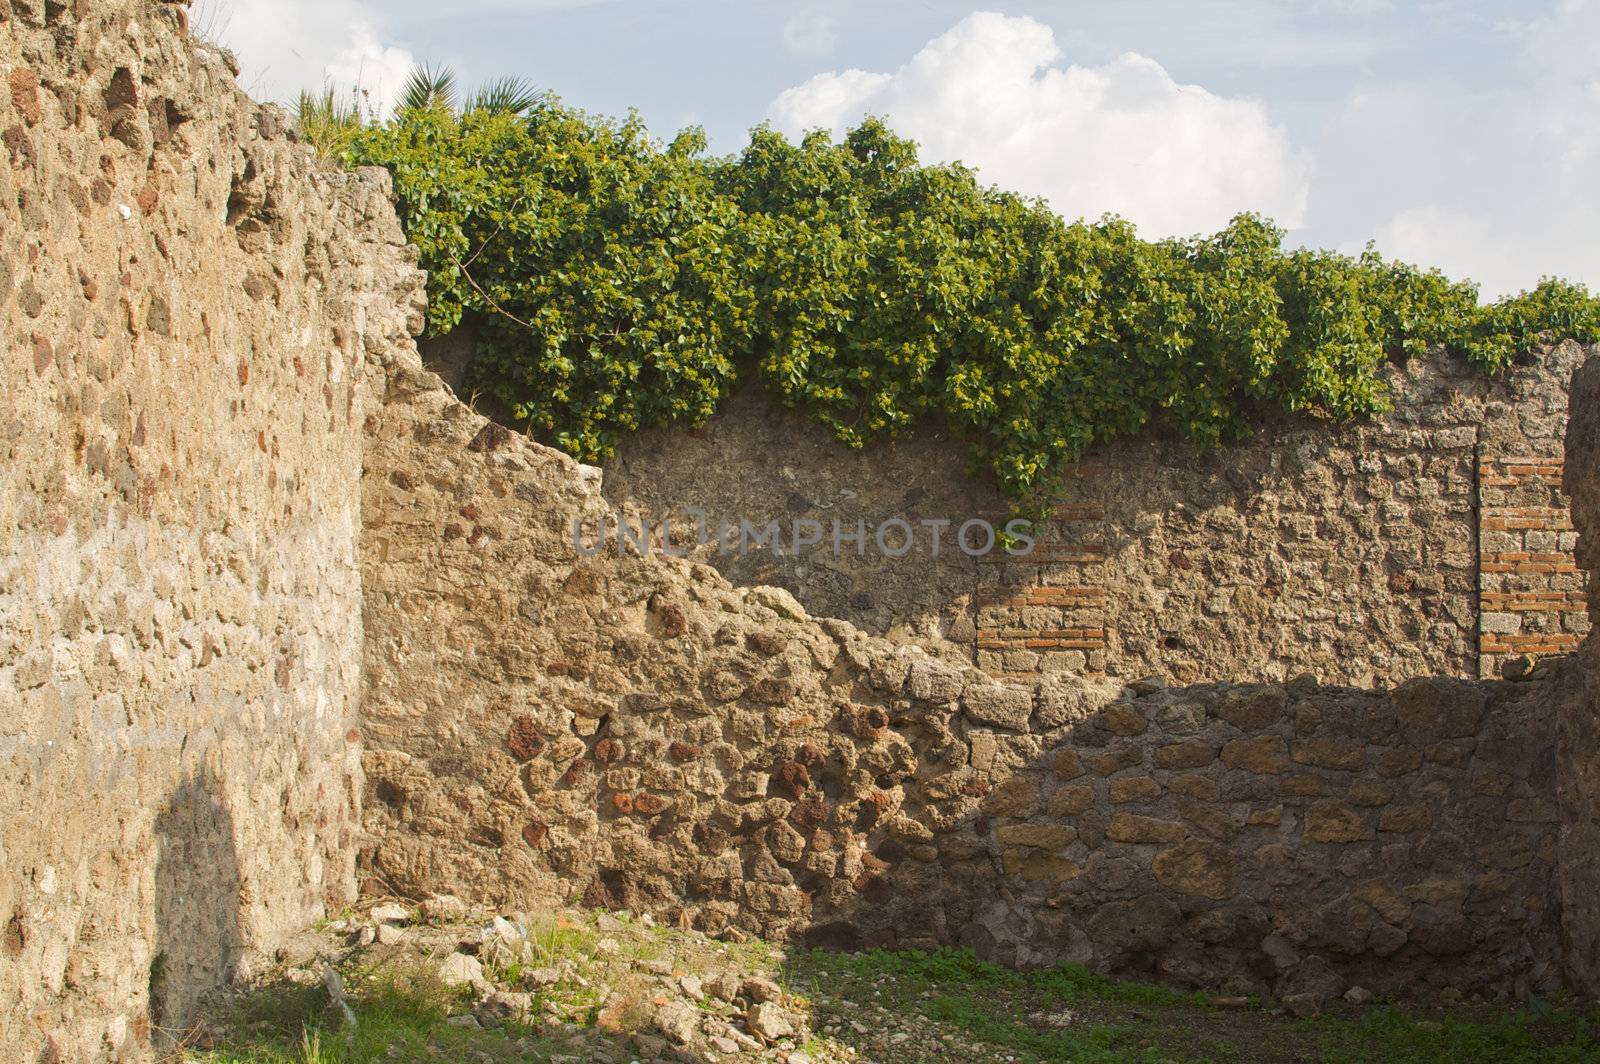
(1035, 1015)
(401, 1014)
(1068, 1013)
(1545, 1031)
(404, 1013)
(904, 1007)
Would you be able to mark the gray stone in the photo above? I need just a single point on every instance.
(760, 990)
(461, 969)
(678, 1021)
(390, 913)
(769, 1022)
(1000, 706)
(443, 908)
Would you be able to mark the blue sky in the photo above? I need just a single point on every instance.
(1458, 134)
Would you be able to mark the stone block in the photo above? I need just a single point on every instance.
(1253, 709)
(1041, 835)
(1002, 706)
(1013, 797)
(1123, 718)
(1134, 789)
(1198, 868)
(1069, 801)
(1186, 755)
(1329, 753)
(1267, 755)
(1131, 827)
(1334, 821)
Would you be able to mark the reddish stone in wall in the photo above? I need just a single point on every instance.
(810, 811)
(523, 739)
(577, 771)
(646, 804)
(792, 779)
(25, 94)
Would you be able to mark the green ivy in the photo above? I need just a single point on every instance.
(618, 282)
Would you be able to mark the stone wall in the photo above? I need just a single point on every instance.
(1263, 838)
(1579, 742)
(634, 731)
(245, 532)
(1532, 600)
(187, 300)
(1432, 541)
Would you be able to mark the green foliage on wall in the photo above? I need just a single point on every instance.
(619, 282)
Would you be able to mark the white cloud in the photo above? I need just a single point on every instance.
(1122, 137)
(285, 46)
(1493, 183)
(810, 35)
(377, 70)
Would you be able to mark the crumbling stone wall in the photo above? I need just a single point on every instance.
(1579, 743)
(1431, 541)
(207, 345)
(187, 299)
(633, 731)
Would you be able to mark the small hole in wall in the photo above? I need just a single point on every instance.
(1172, 642)
(387, 793)
(15, 938)
(122, 92)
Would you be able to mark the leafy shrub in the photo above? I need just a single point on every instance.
(619, 282)
(601, 266)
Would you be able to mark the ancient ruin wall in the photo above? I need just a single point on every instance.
(1432, 541)
(187, 300)
(636, 732)
(205, 330)
(1579, 742)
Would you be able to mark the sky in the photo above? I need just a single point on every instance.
(1456, 134)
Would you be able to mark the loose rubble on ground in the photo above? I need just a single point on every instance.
(445, 983)
(572, 987)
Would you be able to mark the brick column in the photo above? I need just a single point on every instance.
(1045, 612)
(1531, 593)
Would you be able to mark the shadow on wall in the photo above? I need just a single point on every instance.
(1579, 747)
(1292, 840)
(1343, 550)
(758, 462)
(643, 736)
(197, 937)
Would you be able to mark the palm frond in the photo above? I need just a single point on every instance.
(429, 88)
(508, 95)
